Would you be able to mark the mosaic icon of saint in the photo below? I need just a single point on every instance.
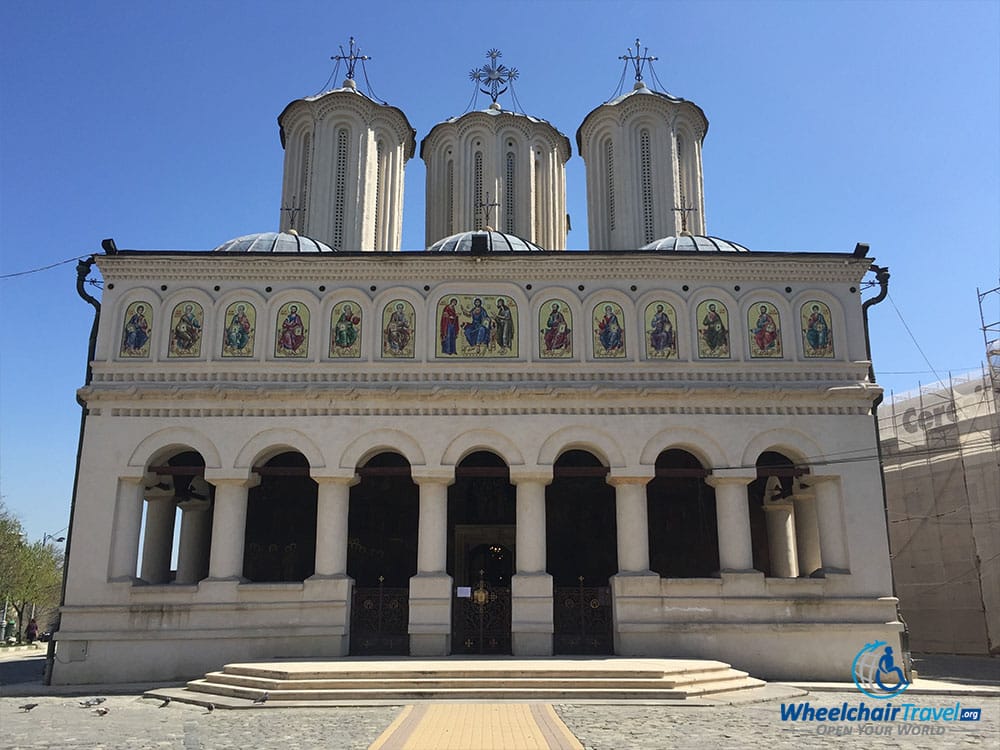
(238, 334)
(478, 332)
(135, 342)
(818, 337)
(292, 334)
(346, 332)
(610, 332)
(557, 336)
(504, 326)
(449, 326)
(397, 333)
(662, 337)
(186, 333)
(765, 334)
(714, 332)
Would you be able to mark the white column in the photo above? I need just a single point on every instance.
(332, 506)
(158, 538)
(530, 541)
(806, 534)
(830, 518)
(733, 518)
(431, 587)
(228, 529)
(128, 520)
(781, 540)
(633, 523)
(432, 528)
(192, 552)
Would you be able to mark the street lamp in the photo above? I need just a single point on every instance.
(52, 537)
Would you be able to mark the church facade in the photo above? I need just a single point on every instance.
(307, 444)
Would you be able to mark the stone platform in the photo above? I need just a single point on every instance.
(313, 683)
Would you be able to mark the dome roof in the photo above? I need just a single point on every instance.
(494, 242)
(695, 243)
(273, 242)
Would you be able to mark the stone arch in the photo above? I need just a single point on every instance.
(600, 443)
(172, 438)
(269, 443)
(698, 443)
(797, 445)
(381, 440)
(486, 440)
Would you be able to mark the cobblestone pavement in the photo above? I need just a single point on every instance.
(133, 722)
(760, 725)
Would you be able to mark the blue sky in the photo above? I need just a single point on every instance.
(155, 123)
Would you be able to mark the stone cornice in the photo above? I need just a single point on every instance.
(562, 267)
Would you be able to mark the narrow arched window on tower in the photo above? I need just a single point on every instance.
(537, 239)
(379, 172)
(298, 217)
(477, 191)
(645, 166)
(450, 191)
(339, 190)
(685, 191)
(509, 195)
(609, 172)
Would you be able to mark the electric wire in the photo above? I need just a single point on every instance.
(43, 268)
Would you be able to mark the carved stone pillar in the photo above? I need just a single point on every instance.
(781, 540)
(830, 518)
(733, 518)
(531, 585)
(128, 521)
(193, 550)
(158, 537)
(431, 587)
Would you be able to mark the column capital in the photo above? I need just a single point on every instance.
(157, 493)
(720, 477)
(634, 475)
(445, 476)
(811, 479)
(219, 477)
(785, 506)
(190, 504)
(346, 479)
(522, 474)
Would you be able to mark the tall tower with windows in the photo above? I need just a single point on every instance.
(344, 158)
(643, 155)
(496, 168)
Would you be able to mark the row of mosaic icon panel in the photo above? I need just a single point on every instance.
(479, 326)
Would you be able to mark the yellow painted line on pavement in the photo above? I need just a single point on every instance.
(477, 726)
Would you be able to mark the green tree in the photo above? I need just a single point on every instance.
(30, 573)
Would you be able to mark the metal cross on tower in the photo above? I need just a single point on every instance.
(352, 58)
(291, 211)
(638, 60)
(487, 208)
(684, 210)
(493, 75)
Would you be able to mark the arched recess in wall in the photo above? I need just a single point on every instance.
(280, 537)
(179, 502)
(683, 530)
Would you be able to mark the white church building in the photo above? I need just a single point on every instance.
(309, 444)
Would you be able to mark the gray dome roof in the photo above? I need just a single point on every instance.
(273, 242)
(695, 243)
(495, 242)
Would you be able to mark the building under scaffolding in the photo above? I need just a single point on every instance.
(941, 452)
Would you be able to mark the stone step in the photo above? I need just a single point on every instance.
(621, 681)
(401, 681)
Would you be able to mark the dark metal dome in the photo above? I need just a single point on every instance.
(273, 242)
(485, 241)
(695, 243)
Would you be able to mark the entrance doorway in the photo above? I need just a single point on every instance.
(481, 533)
(581, 540)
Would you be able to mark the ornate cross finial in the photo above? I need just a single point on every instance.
(291, 211)
(685, 210)
(638, 60)
(493, 75)
(352, 58)
(487, 208)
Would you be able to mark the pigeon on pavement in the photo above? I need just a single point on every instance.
(166, 702)
(101, 711)
(262, 699)
(27, 707)
(91, 702)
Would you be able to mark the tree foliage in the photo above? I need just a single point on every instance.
(30, 573)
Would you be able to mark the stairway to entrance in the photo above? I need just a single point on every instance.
(303, 682)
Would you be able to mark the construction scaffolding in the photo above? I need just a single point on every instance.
(991, 336)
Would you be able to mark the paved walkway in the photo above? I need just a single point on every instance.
(59, 721)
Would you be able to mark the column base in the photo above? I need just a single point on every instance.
(328, 588)
(430, 614)
(531, 614)
(742, 582)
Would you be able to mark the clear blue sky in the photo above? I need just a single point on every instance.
(154, 123)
